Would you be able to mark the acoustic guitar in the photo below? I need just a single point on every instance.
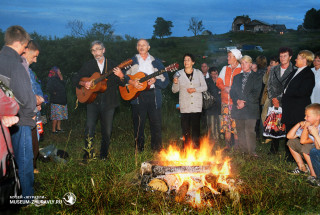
(99, 84)
(129, 92)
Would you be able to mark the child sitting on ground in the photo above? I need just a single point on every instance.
(315, 155)
(301, 141)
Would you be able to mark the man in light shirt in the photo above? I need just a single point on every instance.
(148, 101)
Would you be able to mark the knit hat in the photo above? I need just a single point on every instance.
(236, 53)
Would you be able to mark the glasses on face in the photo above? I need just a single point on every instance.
(96, 50)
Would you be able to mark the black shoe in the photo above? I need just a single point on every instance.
(60, 130)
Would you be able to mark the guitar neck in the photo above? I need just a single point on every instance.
(151, 76)
(104, 76)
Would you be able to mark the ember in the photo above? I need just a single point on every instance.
(194, 175)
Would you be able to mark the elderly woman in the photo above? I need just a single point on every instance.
(278, 76)
(58, 99)
(224, 83)
(297, 90)
(245, 92)
(190, 84)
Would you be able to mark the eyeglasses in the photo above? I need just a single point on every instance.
(95, 50)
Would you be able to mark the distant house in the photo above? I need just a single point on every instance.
(279, 28)
(254, 25)
(258, 26)
(206, 32)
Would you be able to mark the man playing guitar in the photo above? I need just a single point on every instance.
(148, 101)
(104, 105)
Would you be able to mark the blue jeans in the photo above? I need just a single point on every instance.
(22, 148)
(95, 111)
(315, 159)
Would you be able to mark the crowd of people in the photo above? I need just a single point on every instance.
(243, 91)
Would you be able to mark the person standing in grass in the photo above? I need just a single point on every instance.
(245, 92)
(58, 99)
(315, 97)
(301, 142)
(12, 70)
(277, 78)
(190, 84)
(29, 57)
(212, 114)
(149, 101)
(224, 83)
(103, 107)
(297, 90)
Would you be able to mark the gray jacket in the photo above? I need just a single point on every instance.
(190, 103)
(19, 81)
(276, 83)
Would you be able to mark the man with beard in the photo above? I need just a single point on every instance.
(103, 107)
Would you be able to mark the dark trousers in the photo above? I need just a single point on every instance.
(274, 148)
(35, 145)
(190, 124)
(97, 111)
(140, 111)
(246, 135)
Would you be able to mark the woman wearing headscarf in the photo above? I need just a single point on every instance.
(58, 99)
(224, 83)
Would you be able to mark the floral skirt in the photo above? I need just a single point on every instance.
(59, 112)
(227, 124)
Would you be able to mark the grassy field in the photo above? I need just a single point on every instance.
(112, 186)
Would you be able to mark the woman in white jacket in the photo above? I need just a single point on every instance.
(190, 84)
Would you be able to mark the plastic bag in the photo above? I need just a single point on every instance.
(272, 126)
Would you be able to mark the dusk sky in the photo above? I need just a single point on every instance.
(137, 17)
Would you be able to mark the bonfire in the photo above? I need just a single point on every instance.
(195, 176)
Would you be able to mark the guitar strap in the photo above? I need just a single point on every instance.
(106, 66)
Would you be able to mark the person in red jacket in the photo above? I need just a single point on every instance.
(224, 83)
(8, 109)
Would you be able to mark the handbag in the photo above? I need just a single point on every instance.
(10, 182)
(208, 100)
(272, 126)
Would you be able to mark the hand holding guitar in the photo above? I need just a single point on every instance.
(87, 84)
(117, 71)
(135, 83)
(151, 81)
(176, 80)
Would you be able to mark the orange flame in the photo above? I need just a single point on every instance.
(204, 156)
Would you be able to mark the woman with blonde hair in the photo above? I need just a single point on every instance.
(245, 92)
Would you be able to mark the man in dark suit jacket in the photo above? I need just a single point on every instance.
(297, 91)
(105, 103)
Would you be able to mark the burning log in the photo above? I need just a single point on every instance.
(166, 170)
(212, 179)
(160, 168)
(222, 188)
(158, 184)
(183, 189)
(206, 193)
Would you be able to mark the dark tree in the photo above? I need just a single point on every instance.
(162, 28)
(77, 29)
(100, 31)
(312, 19)
(195, 26)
